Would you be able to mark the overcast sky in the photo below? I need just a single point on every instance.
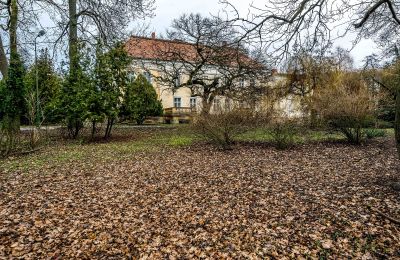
(167, 10)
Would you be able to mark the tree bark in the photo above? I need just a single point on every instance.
(13, 27)
(73, 39)
(93, 129)
(11, 120)
(206, 107)
(3, 60)
(397, 120)
(110, 123)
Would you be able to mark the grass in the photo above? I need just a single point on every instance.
(127, 141)
(262, 135)
(124, 143)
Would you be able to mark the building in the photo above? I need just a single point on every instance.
(155, 58)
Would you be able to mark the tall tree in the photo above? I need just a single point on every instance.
(203, 55)
(12, 94)
(49, 85)
(88, 19)
(25, 27)
(307, 73)
(111, 80)
(310, 23)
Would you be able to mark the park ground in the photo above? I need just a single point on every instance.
(163, 193)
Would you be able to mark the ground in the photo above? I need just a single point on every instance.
(184, 200)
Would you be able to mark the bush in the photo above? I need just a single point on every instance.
(223, 127)
(371, 133)
(346, 106)
(283, 134)
(140, 101)
(383, 124)
(386, 109)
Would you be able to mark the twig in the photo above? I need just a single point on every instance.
(380, 254)
(396, 221)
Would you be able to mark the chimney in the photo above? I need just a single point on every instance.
(153, 35)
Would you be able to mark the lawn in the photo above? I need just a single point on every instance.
(159, 193)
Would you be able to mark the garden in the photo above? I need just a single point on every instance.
(165, 191)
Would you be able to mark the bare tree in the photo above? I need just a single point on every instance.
(203, 54)
(16, 18)
(89, 20)
(312, 23)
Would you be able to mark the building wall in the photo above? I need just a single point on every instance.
(289, 106)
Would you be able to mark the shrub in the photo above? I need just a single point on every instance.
(386, 107)
(283, 134)
(371, 133)
(221, 128)
(383, 124)
(140, 101)
(346, 106)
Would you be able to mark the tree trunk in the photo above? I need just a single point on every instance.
(107, 127)
(13, 27)
(77, 129)
(73, 39)
(397, 121)
(110, 123)
(206, 107)
(14, 85)
(93, 129)
(3, 60)
(14, 61)
(208, 100)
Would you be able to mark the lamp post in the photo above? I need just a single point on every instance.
(38, 114)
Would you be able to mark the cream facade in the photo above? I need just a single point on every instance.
(179, 105)
(183, 99)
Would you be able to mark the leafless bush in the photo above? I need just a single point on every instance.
(221, 128)
(35, 118)
(283, 133)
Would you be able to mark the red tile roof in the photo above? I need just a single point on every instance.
(174, 50)
(159, 49)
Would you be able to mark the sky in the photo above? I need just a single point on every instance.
(167, 10)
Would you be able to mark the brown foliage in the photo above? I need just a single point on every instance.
(346, 105)
(222, 127)
(309, 202)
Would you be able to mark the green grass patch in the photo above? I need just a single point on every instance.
(131, 141)
(302, 136)
(179, 141)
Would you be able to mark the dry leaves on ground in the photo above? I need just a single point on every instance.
(252, 202)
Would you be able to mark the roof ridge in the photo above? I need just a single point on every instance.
(160, 40)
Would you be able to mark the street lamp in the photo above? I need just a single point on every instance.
(40, 34)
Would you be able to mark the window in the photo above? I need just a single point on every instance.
(177, 79)
(241, 83)
(148, 76)
(216, 104)
(193, 102)
(177, 102)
